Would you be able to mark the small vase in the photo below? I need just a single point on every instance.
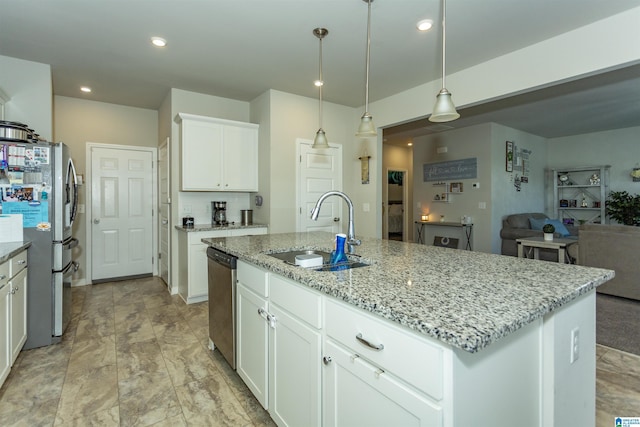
(548, 236)
(338, 257)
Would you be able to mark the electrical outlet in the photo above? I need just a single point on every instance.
(366, 207)
(482, 205)
(186, 209)
(575, 344)
(80, 208)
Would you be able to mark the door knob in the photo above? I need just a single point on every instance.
(336, 219)
(96, 221)
(326, 360)
(165, 222)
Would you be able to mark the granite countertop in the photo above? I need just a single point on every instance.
(463, 298)
(9, 249)
(210, 227)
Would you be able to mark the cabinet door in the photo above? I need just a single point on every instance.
(5, 331)
(198, 270)
(295, 371)
(240, 158)
(201, 156)
(252, 343)
(18, 313)
(358, 393)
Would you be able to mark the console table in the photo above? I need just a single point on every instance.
(467, 229)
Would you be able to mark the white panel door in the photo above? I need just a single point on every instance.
(320, 171)
(164, 210)
(122, 213)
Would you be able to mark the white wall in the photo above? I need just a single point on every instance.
(182, 101)
(80, 121)
(568, 56)
(293, 117)
(28, 85)
(619, 148)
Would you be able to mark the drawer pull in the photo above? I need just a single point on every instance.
(22, 261)
(368, 344)
(378, 372)
(354, 357)
(3, 276)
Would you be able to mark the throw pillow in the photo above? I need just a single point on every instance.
(560, 227)
(536, 224)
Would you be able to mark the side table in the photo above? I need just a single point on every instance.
(536, 243)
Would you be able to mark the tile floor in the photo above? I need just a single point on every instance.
(135, 355)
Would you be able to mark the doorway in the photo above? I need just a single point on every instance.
(319, 171)
(164, 212)
(121, 221)
(395, 223)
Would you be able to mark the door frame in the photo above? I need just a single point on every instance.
(89, 208)
(405, 201)
(299, 143)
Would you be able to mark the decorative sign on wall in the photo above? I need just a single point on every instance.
(454, 169)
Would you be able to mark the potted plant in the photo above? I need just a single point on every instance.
(624, 207)
(548, 230)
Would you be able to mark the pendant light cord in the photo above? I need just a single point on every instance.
(366, 95)
(444, 18)
(321, 82)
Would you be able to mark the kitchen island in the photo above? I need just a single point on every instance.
(479, 338)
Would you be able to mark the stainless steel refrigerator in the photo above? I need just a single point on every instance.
(40, 183)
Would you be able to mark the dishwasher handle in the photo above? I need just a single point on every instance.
(222, 258)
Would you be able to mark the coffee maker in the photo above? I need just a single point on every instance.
(219, 213)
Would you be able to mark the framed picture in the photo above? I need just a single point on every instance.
(509, 156)
(455, 187)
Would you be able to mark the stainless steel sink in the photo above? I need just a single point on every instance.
(290, 258)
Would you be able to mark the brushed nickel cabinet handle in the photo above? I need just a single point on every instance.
(368, 343)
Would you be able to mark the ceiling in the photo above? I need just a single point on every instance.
(241, 48)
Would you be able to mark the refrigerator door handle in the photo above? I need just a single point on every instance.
(72, 176)
(71, 243)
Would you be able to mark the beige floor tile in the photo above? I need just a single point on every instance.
(135, 358)
(187, 362)
(131, 322)
(92, 353)
(107, 418)
(147, 399)
(155, 300)
(95, 327)
(32, 413)
(176, 332)
(88, 392)
(210, 401)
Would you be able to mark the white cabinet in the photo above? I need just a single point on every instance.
(13, 311)
(377, 374)
(5, 323)
(217, 154)
(193, 285)
(279, 345)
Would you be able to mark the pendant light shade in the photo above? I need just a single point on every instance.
(367, 128)
(320, 141)
(444, 110)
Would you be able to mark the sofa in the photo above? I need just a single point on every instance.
(616, 247)
(518, 226)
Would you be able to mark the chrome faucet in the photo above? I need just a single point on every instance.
(352, 242)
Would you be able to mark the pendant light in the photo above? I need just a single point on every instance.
(320, 141)
(444, 110)
(366, 128)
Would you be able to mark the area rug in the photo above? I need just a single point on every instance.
(618, 323)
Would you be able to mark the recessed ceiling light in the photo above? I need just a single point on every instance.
(409, 144)
(158, 41)
(318, 83)
(85, 89)
(424, 25)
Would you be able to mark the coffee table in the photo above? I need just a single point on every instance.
(558, 243)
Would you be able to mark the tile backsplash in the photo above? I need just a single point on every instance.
(198, 205)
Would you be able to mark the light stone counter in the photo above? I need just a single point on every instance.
(466, 299)
(9, 249)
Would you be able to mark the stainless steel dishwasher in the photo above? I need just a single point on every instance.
(222, 300)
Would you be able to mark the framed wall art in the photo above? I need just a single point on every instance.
(509, 156)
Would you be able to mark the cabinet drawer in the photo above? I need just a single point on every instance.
(18, 262)
(415, 361)
(302, 303)
(253, 278)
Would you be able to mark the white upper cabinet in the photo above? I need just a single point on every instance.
(217, 154)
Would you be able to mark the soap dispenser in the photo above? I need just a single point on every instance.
(339, 259)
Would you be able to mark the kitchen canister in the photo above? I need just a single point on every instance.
(246, 217)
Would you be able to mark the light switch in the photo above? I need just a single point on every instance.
(482, 205)
(366, 207)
